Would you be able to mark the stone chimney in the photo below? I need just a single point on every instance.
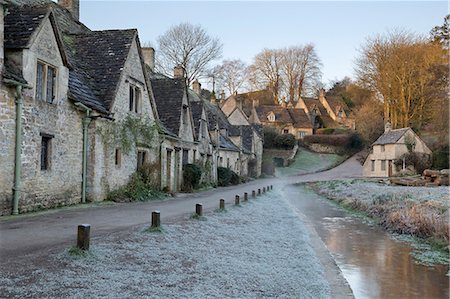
(149, 57)
(213, 99)
(387, 126)
(178, 72)
(73, 6)
(321, 94)
(197, 87)
(222, 95)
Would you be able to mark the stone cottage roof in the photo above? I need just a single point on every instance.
(196, 109)
(335, 102)
(227, 144)
(300, 118)
(265, 97)
(98, 58)
(391, 136)
(281, 114)
(168, 95)
(20, 25)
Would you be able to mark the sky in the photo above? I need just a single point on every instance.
(338, 29)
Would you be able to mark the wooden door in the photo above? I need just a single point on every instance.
(390, 168)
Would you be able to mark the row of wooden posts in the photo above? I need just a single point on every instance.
(84, 230)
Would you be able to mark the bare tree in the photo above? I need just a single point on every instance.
(300, 68)
(231, 75)
(188, 46)
(266, 71)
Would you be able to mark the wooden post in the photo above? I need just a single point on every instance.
(259, 192)
(156, 219)
(271, 187)
(253, 193)
(236, 200)
(83, 237)
(268, 188)
(199, 209)
(222, 204)
(264, 189)
(245, 196)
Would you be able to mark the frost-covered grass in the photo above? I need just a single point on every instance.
(307, 162)
(260, 250)
(419, 211)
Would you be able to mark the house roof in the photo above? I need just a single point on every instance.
(98, 58)
(168, 95)
(337, 101)
(281, 114)
(300, 118)
(227, 144)
(20, 24)
(197, 109)
(391, 136)
(264, 97)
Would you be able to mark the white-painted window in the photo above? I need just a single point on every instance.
(45, 82)
(271, 117)
(301, 134)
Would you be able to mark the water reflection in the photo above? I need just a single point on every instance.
(374, 264)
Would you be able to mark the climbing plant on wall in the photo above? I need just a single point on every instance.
(128, 132)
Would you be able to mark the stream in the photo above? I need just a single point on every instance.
(374, 263)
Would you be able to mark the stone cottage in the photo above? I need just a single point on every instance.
(389, 148)
(66, 91)
(174, 112)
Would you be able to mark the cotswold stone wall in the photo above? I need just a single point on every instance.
(324, 148)
(7, 135)
(60, 184)
(104, 174)
(232, 156)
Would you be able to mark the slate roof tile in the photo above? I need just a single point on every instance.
(168, 95)
(391, 136)
(300, 118)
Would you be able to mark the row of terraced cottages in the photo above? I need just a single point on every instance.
(81, 111)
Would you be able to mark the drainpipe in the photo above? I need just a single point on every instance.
(18, 146)
(86, 122)
(18, 150)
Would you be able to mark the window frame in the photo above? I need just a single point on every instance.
(372, 167)
(383, 165)
(43, 88)
(134, 99)
(45, 152)
(141, 158)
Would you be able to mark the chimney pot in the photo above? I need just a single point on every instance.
(149, 57)
(73, 6)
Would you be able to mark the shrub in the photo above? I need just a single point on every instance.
(285, 141)
(348, 141)
(226, 177)
(136, 190)
(269, 137)
(419, 161)
(441, 158)
(192, 174)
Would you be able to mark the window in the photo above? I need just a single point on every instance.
(185, 156)
(301, 134)
(383, 165)
(45, 82)
(286, 131)
(135, 102)
(382, 148)
(141, 158)
(228, 162)
(117, 157)
(373, 165)
(271, 117)
(45, 151)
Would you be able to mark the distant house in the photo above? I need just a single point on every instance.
(299, 118)
(390, 147)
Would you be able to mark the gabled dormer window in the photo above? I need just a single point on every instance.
(271, 116)
(135, 99)
(45, 82)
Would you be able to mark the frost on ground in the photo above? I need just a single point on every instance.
(307, 162)
(258, 250)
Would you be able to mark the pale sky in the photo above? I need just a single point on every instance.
(336, 28)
